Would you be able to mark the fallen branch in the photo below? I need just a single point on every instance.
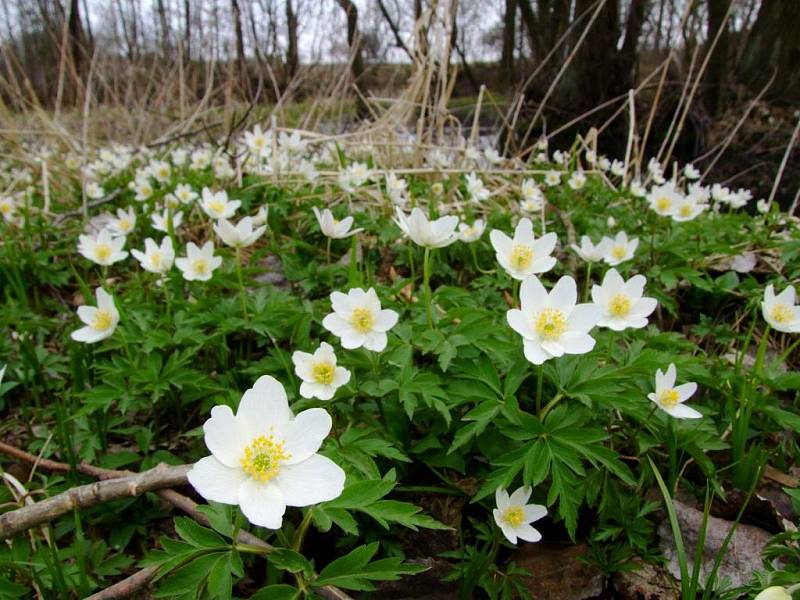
(84, 496)
(131, 584)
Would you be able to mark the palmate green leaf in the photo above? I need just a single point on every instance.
(189, 578)
(367, 497)
(354, 571)
(289, 560)
(279, 591)
(198, 536)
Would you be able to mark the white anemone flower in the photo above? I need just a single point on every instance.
(618, 168)
(493, 156)
(261, 216)
(670, 398)
(184, 193)
(552, 178)
(531, 194)
(240, 235)
(552, 325)
(160, 220)
(763, 206)
(471, 233)
(103, 249)
(663, 199)
(332, 227)
(319, 372)
(156, 259)
(780, 311)
(100, 321)
(217, 205)
(7, 207)
(590, 252)
(264, 458)
(687, 208)
(514, 516)
(161, 170)
(395, 187)
(476, 189)
(691, 172)
(124, 222)
(143, 189)
(524, 255)
(358, 320)
(622, 302)
(438, 233)
(199, 263)
(620, 249)
(94, 190)
(577, 180)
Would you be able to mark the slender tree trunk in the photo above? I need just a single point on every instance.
(187, 30)
(236, 13)
(717, 73)
(353, 37)
(292, 58)
(507, 57)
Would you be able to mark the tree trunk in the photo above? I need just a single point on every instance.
(507, 56)
(187, 30)
(236, 13)
(531, 27)
(292, 58)
(774, 44)
(76, 41)
(163, 26)
(353, 38)
(716, 76)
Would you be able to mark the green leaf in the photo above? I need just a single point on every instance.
(280, 591)
(354, 571)
(289, 560)
(197, 535)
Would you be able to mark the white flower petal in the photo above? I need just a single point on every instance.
(317, 479)
(262, 503)
(304, 435)
(216, 482)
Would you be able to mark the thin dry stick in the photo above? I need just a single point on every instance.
(785, 159)
(85, 496)
(124, 588)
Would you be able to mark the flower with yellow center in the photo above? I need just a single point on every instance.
(780, 311)
(199, 263)
(514, 516)
(552, 324)
(217, 205)
(471, 233)
(264, 459)
(619, 249)
(156, 259)
(103, 249)
(358, 319)
(664, 199)
(524, 254)
(100, 321)
(622, 302)
(332, 227)
(670, 397)
(320, 375)
(425, 232)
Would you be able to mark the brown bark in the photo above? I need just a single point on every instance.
(353, 38)
(292, 58)
(236, 13)
(716, 76)
(507, 56)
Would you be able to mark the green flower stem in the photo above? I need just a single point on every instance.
(426, 283)
(164, 287)
(539, 385)
(241, 281)
(672, 448)
(761, 352)
(588, 282)
(782, 358)
(549, 406)
(300, 535)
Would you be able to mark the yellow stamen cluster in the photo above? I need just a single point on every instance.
(685, 210)
(200, 266)
(102, 320)
(263, 457)
(668, 397)
(323, 372)
(102, 251)
(514, 516)
(217, 206)
(618, 252)
(782, 314)
(521, 257)
(362, 320)
(620, 305)
(551, 324)
(155, 259)
(663, 203)
(124, 225)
